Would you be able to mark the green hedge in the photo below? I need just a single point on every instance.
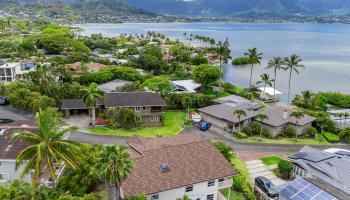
(331, 137)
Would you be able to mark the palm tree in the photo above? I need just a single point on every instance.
(47, 146)
(261, 117)
(308, 99)
(239, 113)
(223, 51)
(292, 64)
(265, 79)
(346, 115)
(44, 79)
(254, 57)
(186, 102)
(90, 97)
(298, 115)
(340, 115)
(276, 64)
(113, 166)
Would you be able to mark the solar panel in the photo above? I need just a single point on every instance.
(300, 189)
(314, 157)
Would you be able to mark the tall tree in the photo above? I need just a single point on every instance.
(47, 146)
(254, 58)
(265, 79)
(113, 166)
(261, 117)
(298, 115)
(90, 97)
(239, 113)
(43, 78)
(223, 49)
(276, 63)
(346, 115)
(292, 64)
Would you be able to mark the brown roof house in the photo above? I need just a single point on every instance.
(149, 106)
(9, 149)
(170, 167)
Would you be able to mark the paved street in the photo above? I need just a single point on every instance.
(15, 114)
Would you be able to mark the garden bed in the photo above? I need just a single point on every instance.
(173, 124)
(255, 139)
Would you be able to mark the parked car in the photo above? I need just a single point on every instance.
(2, 131)
(5, 121)
(3, 101)
(204, 125)
(266, 186)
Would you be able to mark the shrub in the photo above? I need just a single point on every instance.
(255, 126)
(199, 59)
(238, 183)
(265, 132)
(241, 135)
(285, 168)
(174, 101)
(247, 130)
(289, 131)
(345, 133)
(241, 61)
(224, 149)
(331, 137)
(311, 132)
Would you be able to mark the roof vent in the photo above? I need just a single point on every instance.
(164, 167)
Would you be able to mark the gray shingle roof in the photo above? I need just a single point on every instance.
(121, 99)
(225, 112)
(329, 167)
(276, 117)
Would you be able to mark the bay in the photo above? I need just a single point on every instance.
(324, 48)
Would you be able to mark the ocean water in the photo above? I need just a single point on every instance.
(324, 48)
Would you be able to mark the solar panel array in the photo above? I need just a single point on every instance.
(300, 189)
(313, 157)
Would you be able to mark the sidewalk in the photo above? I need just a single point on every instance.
(258, 168)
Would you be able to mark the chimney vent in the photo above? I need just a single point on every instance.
(285, 115)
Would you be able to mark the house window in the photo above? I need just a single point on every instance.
(210, 197)
(144, 108)
(189, 188)
(221, 179)
(155, 196)
(138, 119)
(137, 109)
(154, 118)
(211, 183)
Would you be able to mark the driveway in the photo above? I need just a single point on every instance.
(9, 112)
(258, 168)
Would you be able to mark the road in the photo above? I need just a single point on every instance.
(237, 146)
(9, 112)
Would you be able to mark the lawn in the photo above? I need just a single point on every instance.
(233, 196)
(172, 124)
(271, 160)
(255, 139)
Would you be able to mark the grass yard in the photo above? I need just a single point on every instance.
(233, 195)
(255, 139)
(172, 124)
(271, 160)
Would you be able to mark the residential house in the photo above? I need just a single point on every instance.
(10, 72)
(279, 118)
(186, 86)
(171, 167)
(149, 106)
(211, 57)
(222, 117)
(328, 170)
(268, 94)
(9, 149)
(113, 86)
(28, 64)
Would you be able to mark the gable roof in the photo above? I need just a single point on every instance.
(191, 159)
(276, 117)
(225, 112)
(332, 168)
(125, 99)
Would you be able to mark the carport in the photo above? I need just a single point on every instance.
(76, 107)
